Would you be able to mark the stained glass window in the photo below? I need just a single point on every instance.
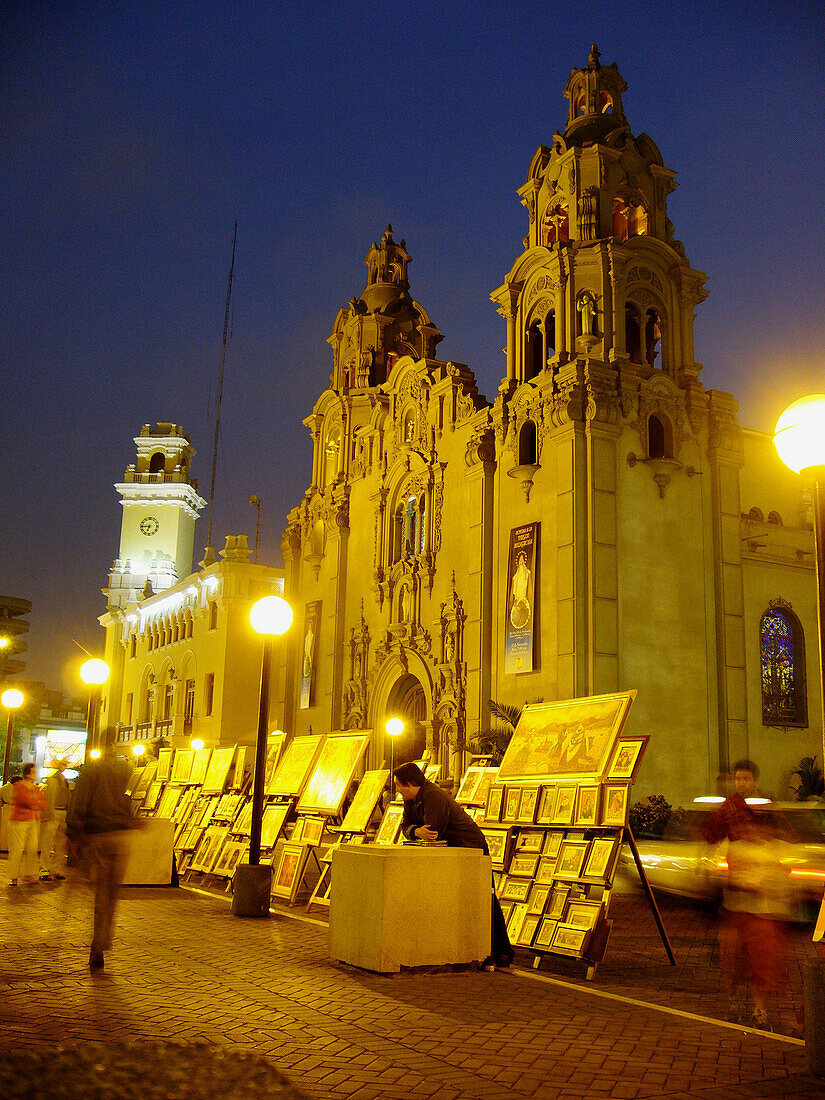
(783, 664)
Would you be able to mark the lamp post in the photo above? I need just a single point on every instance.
(95, 673)
(800, 440)
(270, 617)
(394, 728)
(11, 699)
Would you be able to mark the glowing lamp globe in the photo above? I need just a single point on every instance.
(95, 754)
(138, 750)
(799, 435)
(12, 698)
(196, 743)
(3, 641)
(94, 672)
(394, 727)
(271, 615)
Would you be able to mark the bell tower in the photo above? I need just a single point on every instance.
(160, 506)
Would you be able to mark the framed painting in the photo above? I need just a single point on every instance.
(547, 804)
(506, 910)
(228, 807)
(186, 804)
(552, 842)
(546, 871)
(332, 776)
(627, 756)
(600, 859)
(557, 902)
(207, 851)
(390, 825)
(521, 865)
(512, 801)
(296, 764)
(469, 784)
(538, 899)
(544, 937)
(273, 822)
(587, 804)
(182, 765)
(568, 940)
(530, 840)
(230, 855)
(169, 802)
(497, 844)
(152, 798)
(297, 834)
(583, 913)
(145, 779)
(517, 916)
(566, 740)
(274, 748)
(360, 811)
(219, 764)
(571, 859)
(488, 777)
(243, 821)
(515, 889)
(495, 797)
(200, 766)
(432, 772)
(528, 805)
(289, 872)
(565, 805)
(313, 831)
(206, 813)
(164, 765)
(239, 770)
(527, 930)
(614, 804)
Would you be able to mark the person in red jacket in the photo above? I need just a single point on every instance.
(24, 827)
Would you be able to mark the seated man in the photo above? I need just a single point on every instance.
(431, 814)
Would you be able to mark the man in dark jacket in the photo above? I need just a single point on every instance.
(99, 815)
(431, 814)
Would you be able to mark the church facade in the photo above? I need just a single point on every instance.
(604, 523)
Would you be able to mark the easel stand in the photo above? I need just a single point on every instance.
(630, 840)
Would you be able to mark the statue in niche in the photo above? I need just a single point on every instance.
(403, 605)
(586, 306)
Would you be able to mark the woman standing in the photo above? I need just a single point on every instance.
(24, 821)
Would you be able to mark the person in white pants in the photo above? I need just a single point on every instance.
(24, 826)
(53, 824)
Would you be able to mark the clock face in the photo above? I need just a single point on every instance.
(149, 525)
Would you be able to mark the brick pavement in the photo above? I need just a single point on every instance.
(185, 969)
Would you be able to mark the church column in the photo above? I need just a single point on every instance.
(478, 630)
(725, 460)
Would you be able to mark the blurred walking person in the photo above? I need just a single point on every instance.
(755, 900)
(53, 824)
(97, 824)
(24, 825)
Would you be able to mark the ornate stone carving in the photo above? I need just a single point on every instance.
(481, 447)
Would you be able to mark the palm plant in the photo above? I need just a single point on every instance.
(494, 740)
(811, 779)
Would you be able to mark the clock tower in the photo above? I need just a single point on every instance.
(160, 505)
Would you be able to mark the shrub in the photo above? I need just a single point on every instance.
(651, 816)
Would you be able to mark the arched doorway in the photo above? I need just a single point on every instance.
(408, 702)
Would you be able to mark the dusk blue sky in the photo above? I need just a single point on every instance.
(133, 135)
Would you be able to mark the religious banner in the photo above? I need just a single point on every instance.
(312, 621)
(520, 608)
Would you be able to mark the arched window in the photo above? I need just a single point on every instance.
(528, 444)
(157, 463)
(409, 531)
(632, 332)
(534, 352)
(775, 518)
(630, 218)
(782, 651)
(605, 102)
(656, 444)
(653, 336)
(755, 514)
(556, 225)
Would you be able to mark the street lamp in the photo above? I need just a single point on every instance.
(270, 617)
(138, 751)
(394, 728)
(800, 440)
(196, 743)
(11, 700)
(95, 673)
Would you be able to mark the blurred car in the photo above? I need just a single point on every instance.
(681, 862)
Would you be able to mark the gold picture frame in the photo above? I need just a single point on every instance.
(569, 940)
(164, 765)
(557, 901)
(295, 765)
(544, 936)
(547, 803)
(488, 777)
(516, 889)
(168, 802)
(512, 801)
(313, 831)
(528, 804)
(583, 913)
(552, 842)
(495, 797)
(530, 840)
(527, 930)
(182, 765)
(468, 785)
(565, 805)
(361, 809)
(570, 860)
(546, 870)
(219, 764)
(587, 804)
(200, 766)
(600, 859)
(539, 897)
(272, 823)
(286, 881)
(391, 822)
(627, 758)
(497, 846)
(517, 917)
(572, 739)
(274, 748)
(615, 804)
(333, 772)
(524, 866)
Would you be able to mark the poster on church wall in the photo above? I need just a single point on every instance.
(520, 608)
(312, 621)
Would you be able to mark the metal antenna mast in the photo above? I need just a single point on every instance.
(220, 386)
